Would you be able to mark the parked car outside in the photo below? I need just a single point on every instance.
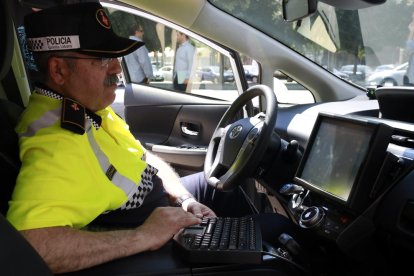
(357, 73)
(166, 72)
(384, 67)
(251, 72)
(120, 80)
(157, 76)
(228, 76)
(392, 77)
(212, 73)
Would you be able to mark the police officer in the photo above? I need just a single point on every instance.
(80, 164)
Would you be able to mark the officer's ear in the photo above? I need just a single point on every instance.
(59, 70)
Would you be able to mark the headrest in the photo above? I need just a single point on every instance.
(6, 39)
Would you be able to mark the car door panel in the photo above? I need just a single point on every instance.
(175, 126)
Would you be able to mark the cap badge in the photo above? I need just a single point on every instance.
(103, 19)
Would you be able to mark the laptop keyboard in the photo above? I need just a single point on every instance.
(221, 240)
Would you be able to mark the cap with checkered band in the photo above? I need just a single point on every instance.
(81, 27)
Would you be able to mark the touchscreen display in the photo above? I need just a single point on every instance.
(335, 155)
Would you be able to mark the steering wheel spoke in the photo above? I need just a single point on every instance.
(246, 150)
(219, 132)
(215, 168)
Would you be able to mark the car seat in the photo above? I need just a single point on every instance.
(17, 256)
(9, 151)
(9, 112)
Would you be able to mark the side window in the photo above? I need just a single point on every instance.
(287, 90)
(173, 60)
(290, 92)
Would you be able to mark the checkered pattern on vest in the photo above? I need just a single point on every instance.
(142, 190)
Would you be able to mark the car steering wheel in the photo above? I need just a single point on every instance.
(235, 150)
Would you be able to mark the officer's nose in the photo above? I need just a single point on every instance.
(114, 67)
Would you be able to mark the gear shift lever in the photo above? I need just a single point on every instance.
(296, 191)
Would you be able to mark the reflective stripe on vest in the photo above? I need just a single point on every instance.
(125, 184)
(135, 193)
(46, 120)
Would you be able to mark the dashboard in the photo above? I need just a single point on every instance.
(354, 176)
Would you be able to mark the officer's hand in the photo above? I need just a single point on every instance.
(199, 210)
(163, 223)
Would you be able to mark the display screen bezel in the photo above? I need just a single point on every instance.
(370, 127)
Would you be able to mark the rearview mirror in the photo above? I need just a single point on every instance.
(297, 9)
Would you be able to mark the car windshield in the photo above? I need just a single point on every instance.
(351, 44)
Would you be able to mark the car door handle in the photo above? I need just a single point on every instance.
(189, 129)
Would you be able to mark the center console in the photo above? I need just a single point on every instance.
(337, 178)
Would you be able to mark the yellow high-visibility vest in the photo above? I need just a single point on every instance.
(68, 178)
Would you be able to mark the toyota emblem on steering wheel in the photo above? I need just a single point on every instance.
(235, 132)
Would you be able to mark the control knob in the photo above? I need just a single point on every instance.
(311, 217)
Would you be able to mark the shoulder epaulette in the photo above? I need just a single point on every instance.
(73, 116)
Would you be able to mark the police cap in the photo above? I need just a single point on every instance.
(82, 27)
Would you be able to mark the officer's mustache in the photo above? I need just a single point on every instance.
(111, 80)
